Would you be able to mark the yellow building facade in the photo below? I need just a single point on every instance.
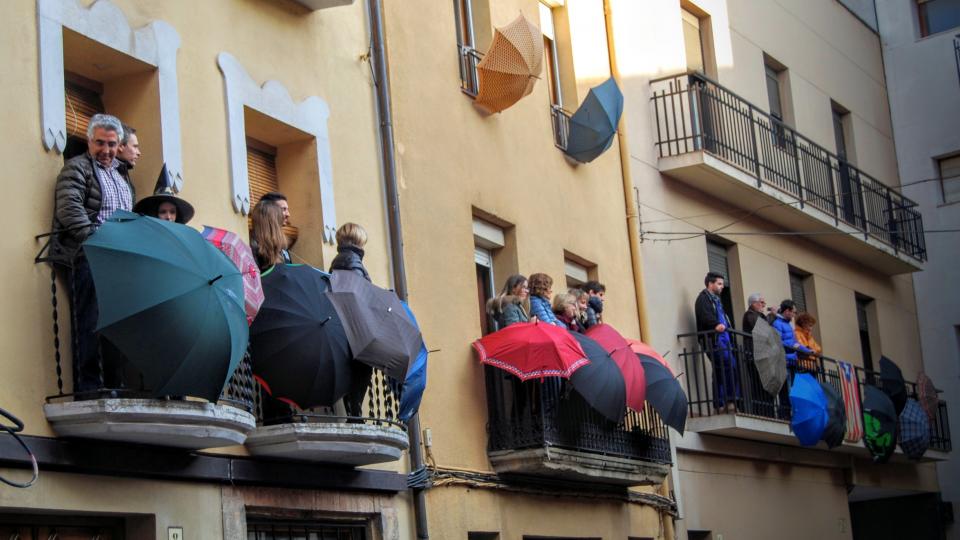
(221, 91)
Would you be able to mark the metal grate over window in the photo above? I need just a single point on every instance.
(299, 530)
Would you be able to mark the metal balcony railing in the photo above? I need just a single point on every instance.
(537, 413)
(694, 114)
(714, 389)
(468, 60)
(561, 126)
(380, 407)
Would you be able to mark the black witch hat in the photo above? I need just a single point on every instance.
(164, 192)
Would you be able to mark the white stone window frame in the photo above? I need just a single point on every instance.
(273, 100)
(155, 44)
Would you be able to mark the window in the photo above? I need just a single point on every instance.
(472, 535)
(864, 305)
(474, 29)
(841, 129)
(83, 100)
(692, 41)
(938, 15)
(797, 293)
(263, 178)
(950, 178)
(774, 96)
(550, 53)
(62, 527)
(487, 238)
(258, 529)
(775, 75)
(576, 274)
(717, 261)
(851, 205)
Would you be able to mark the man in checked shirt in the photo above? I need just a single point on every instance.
(90, 188)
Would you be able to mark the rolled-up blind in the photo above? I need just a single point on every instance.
(81, 104)
(262, 178)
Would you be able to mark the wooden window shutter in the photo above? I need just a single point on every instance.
(263, 178)
(81, 104)
(796, 292)
(717, 259)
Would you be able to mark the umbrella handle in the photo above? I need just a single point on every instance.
(212, 281)
(325, 321)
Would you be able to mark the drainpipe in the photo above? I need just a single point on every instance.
(633, 218)
(378, 56)
(633, 226)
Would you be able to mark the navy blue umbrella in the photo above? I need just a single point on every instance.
(600, 382)
(594, 124)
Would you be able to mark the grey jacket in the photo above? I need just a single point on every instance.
(507, 310)
(77, 203)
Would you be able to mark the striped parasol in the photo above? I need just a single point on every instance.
(239, 252)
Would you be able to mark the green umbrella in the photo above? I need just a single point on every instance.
(170, 302)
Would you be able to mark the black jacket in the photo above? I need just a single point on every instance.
(77, 203)
(750, 320)
(350, 258)
(706, 313)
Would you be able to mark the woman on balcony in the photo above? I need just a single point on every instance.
(804, 331)
(541, 289)
(565, 308)
(268, 241)
(512, 305)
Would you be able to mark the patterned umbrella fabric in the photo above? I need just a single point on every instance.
(927, 396)
(892, 383)
(511, 66)
(600, 382)
(809, 406)
(879, 424)
(239, 252)
(532, 351)
(170, 302)
(836, 416)
(631, 368)
(769, 357)
(914, 433)
(594, 124)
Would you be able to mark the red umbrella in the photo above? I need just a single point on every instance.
(621, 352)
(239, 252)
(532, 350)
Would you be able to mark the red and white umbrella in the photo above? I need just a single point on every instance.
(239, 252)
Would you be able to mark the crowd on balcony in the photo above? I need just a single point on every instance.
(529, 300)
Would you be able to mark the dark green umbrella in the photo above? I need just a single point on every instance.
(594, 124)
(170, 302)
(879, 424)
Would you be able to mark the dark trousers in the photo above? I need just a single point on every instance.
(360, 374)
(90, 371)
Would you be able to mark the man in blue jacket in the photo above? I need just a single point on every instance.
(788, 310)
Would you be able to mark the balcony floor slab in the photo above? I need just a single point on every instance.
(778, 432)
(192, 425)
(563, 464)
(329, 442)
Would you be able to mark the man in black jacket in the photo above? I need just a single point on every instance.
(718, 346)
(90, 188)
(705, 309)
(755, 305)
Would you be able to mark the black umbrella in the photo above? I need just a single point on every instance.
(378, 329)
(836, 416)
(879, 424)
(665, 393)
(891, 381)
(297, 342)
(600, 382)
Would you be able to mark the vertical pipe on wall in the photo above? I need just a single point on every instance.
(378, 55)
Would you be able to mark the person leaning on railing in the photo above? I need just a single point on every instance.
(804, 331)
(788, 310)
(512, 305)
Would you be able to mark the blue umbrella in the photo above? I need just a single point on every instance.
(416, 380)
(809, 406)
(594, 124)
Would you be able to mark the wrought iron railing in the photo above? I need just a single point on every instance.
(720, 384)
(548, 412)
(940, 423)
(468, 59)
(956, 54)
(561, 126)
(694, 113)
(380, 404)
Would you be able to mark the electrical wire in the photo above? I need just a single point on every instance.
(13, 430)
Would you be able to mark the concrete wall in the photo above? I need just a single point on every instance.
(923, 83)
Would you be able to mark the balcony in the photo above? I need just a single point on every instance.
(714, 140)
(469, 79)
(542, 429)
(128, 412)
(328, 435)
(759, 416)
(561, 126)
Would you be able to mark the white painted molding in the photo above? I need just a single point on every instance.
(155, 44)
(273, 100)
